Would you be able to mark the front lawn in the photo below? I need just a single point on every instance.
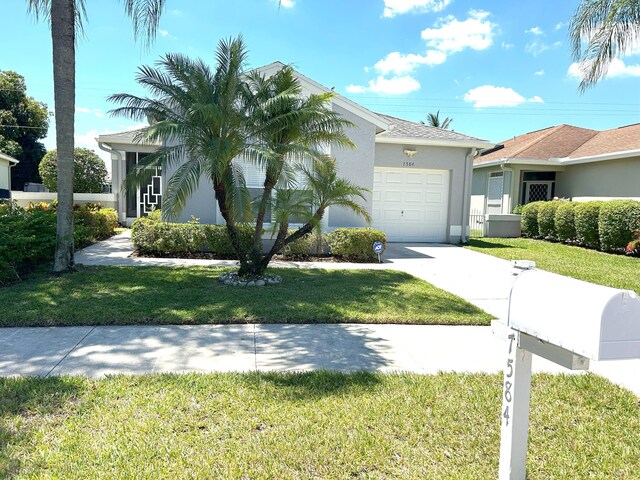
(592, 266)
(312, 425)
(161, 295)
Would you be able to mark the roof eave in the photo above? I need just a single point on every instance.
(601, 158)
(435, 142)
(8, 158)
(519, 161)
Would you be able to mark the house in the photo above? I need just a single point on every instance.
(6, 162)
(561, 161)
(419, 177)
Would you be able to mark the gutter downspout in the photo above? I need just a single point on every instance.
(11, 165)
(115, 191)
(466, 192)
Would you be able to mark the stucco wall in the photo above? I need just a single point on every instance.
(607, 179)
(4, 174)
(355, 165)
(433, 158)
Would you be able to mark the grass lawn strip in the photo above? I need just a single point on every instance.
(312, 425)
(193, 295)
(615, 271)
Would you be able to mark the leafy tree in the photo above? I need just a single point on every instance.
(23, 121)
(211, 121)
(89, 171)
(433, 120)
(67, 18)
(601, 30)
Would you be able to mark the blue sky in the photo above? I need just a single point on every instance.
(498, 68)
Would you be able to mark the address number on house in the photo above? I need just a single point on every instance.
(408, 164)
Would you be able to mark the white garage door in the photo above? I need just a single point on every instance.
(411, 205)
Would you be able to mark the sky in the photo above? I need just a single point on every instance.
(498, 68)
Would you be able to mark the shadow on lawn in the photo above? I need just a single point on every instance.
(27, 397)
(474, 242)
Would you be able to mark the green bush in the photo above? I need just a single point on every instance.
(586, 221)
(28, 235)
(311, 244)
(517, 210)
(565, 222)
(153, 237)
(618, 224)
(355, 244)
(529, 220)
(547, 219)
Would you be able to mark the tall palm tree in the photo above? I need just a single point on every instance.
(210, 121)
(433, 120)
(67, 17)
(601, 30)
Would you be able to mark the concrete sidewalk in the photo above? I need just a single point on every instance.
(480, 279)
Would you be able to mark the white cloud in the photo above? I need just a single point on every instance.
(617, 68)
(287, 3)
(535, 31)
(399, 7)
(452, 35)
(398, 63)
(539, 73)
(398, 85)
(536, 47)
(491, 96)
(95, 111)
(507, 45)
(560, 25)
(163, 33)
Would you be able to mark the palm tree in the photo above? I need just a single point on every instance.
(610, 28)
(67, 17)
(212, 121)
(433, 120)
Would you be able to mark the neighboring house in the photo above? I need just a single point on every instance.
(419, 176)
(6, 162)
(562, 161)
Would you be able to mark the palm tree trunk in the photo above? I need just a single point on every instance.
(63, 37)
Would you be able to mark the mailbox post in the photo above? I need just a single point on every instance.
(566, 321)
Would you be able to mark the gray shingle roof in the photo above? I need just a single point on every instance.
(128, 137)
(405, 129)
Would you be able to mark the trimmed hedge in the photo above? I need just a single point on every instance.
(529, 220)
(618, 224)
(355, 244)
(153, 237)
(547, 219)
(565, 222)
(310, 244)
(586, 222)
(28, 235)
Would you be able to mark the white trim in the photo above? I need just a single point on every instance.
(9, 159)
(435, 142)
(561, 161)
(552, 162)
(601, 158)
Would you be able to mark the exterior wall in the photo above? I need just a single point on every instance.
(355, 165)
(5, 175)
(23, 199)
(602, 180)
(435, 158)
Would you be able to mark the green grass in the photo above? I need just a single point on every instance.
(161, 295)
(313, 425)
(615, 271)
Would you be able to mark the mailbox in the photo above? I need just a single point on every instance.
(593, 321)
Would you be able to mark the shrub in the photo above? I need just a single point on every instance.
(93, 224)
(565, 222)
(547, 219)
(311, 244)
(153, 237)
(529, 220)
(89, 174)
(618, 224)
(586, 221)
(355, 244)
(517, 210)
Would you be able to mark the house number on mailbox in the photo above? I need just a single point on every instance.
(508, 373)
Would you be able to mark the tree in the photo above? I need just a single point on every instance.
(89, 171)
(67, 17)
(212, 121)
(601, 30)
(433, 120)
(23, 121)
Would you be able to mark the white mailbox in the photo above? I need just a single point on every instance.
(597, 322)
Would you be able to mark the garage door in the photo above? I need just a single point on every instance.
(411, 205)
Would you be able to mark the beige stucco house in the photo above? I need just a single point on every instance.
(419, 177)
(561, 161)
(6, 162)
